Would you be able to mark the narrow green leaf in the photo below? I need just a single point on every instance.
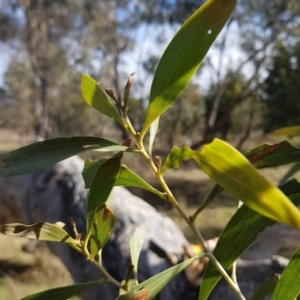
(231, 170)
(95, 97)
(126, 176)
(288, 286)
(40, 231)
(43, 154)
(135, 245)
(102, 185)
(288, 131)
(265, 289)
(184, 55)
(240, 232)
(216, 190)
(101, 229)
(152, 286)
(294, 169)
(63, 293)
(266, 155)
(89, 170)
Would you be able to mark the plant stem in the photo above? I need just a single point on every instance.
(107, 276)
(174, 202)
(213, 259)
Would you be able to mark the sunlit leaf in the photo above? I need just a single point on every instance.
(231, 170)
(184, 54)
(130, 283)
(135, 245)
(102, 185)
(95, 97)
(126, 176)
(40, 231)
(267, 155)
(176, 156)
(151, 287)
(263, 156)
(101, 229)
(63, 293)
(240, 232)
(153, 132)
(288, 286)
(46, 153)
(288, 131)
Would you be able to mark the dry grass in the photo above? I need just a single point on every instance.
(23, 273)
(8, 140)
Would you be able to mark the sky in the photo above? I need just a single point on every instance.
(4, 61)
(145, 44)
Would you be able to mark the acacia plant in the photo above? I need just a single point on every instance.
(263, 203)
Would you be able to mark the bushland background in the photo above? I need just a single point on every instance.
(248, 86)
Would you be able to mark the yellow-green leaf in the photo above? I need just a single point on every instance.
(231, 170)
(288, 131)
(176, 156)
(40, 231)
(95, 97)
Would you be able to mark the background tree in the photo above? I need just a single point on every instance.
(108, 40)
(281, 89)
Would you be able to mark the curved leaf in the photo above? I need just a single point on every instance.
(135, 245)
(288, 286)
(101, 229)
(40, 231)
(267, 155)
(102, 185)
(231, 170)
(240, 232)
(63, 293)
(288, 131)
(184, 54)
(152, 286)
(46, 153)
(95, 97)
(126, 176)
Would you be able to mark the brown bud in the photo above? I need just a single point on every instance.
(111, 94)
(127, 143)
